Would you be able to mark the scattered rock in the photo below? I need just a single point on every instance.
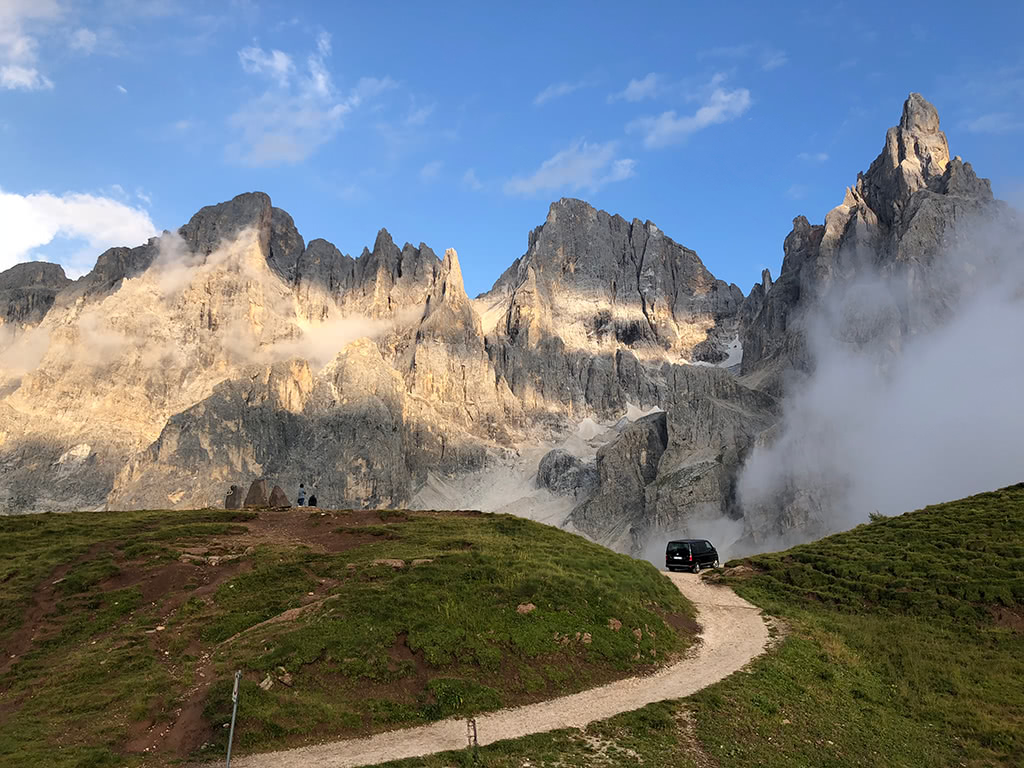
(587, 639)
(638, 634)
(422, 561)
(614, 624)
(268, 683)
(234, 498)
(278, 498)
(525, 608)
(284, 677)
(161, 628)
(396, 564)
(257, 496)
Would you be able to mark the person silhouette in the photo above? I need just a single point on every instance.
(301, 500)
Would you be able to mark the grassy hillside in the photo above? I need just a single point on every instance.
(120, 632)
(905, 648)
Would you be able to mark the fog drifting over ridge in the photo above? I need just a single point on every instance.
(891, 425)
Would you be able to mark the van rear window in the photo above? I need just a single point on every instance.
(678, 548)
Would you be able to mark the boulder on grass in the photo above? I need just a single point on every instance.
(277, 497)
(257, 496)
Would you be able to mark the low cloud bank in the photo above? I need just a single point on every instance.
(892, 421)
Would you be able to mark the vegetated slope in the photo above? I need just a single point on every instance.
(120, 631)
(905, 648)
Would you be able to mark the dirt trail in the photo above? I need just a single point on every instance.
(734, 633)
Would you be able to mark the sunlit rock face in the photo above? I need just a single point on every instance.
(595, 293)
(602, 359)
(893, 224)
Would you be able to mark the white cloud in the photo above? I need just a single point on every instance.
(419, 116)
(638, 90)
(14, 77)
(469, 179)
(813, 157)
(323, 44)
(581, 166)
(431, 170)
(668, 128)
(796, 192)
(995, 122)
(122, 89)
(33, 221)
(556, 91)
(18, 48)
(277, 64)
(768, 58)
(83, 40)
(773, 59)
(299, 112)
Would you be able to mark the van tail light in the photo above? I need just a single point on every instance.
(691, 556)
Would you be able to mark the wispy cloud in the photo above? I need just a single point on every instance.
(995, 122)
(19, 46)
(469, 179)
(299, 112)
(646, 87)
(122, 89)
(83, 40)
(766, 57)
(556, 91)
(277, 64)
(419, 115)
(773, 59)
(669, 128)
(813, 157)
(581, 166)
(796, 192)
(431, 170)
(35, 220)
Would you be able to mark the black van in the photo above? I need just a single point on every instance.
(691, 554)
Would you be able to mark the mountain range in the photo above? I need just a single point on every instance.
(607, 382)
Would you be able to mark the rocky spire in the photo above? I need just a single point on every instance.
(915, 157)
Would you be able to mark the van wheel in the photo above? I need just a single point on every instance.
(716, 565)
(696, 567)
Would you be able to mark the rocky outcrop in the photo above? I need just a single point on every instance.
(671, 472)
(27, 291)
(257, 495)
(894, 224)
(561, 472)
(625, 468)
(278, 497)
(234, 498)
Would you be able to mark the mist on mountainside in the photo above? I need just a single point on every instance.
(889, 424)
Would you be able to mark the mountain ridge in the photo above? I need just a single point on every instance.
(232, 348)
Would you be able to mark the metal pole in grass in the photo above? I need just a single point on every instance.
(472, 738)
(234, 711)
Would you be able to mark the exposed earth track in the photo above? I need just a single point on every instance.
(733, 633)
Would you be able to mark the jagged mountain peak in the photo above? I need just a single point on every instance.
(919, 115)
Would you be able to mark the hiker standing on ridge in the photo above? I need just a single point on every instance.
(301, 500)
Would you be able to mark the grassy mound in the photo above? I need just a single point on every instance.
(121, 631)
(905, 647)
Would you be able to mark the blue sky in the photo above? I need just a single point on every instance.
(457, 124)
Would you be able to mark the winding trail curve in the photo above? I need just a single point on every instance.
(733, 633)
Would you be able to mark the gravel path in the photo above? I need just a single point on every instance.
(733, 634)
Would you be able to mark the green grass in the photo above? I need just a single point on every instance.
(902, 650)
(373, 647)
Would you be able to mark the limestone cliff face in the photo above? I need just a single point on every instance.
(893, 224)
(591, 288)
(27, 291)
